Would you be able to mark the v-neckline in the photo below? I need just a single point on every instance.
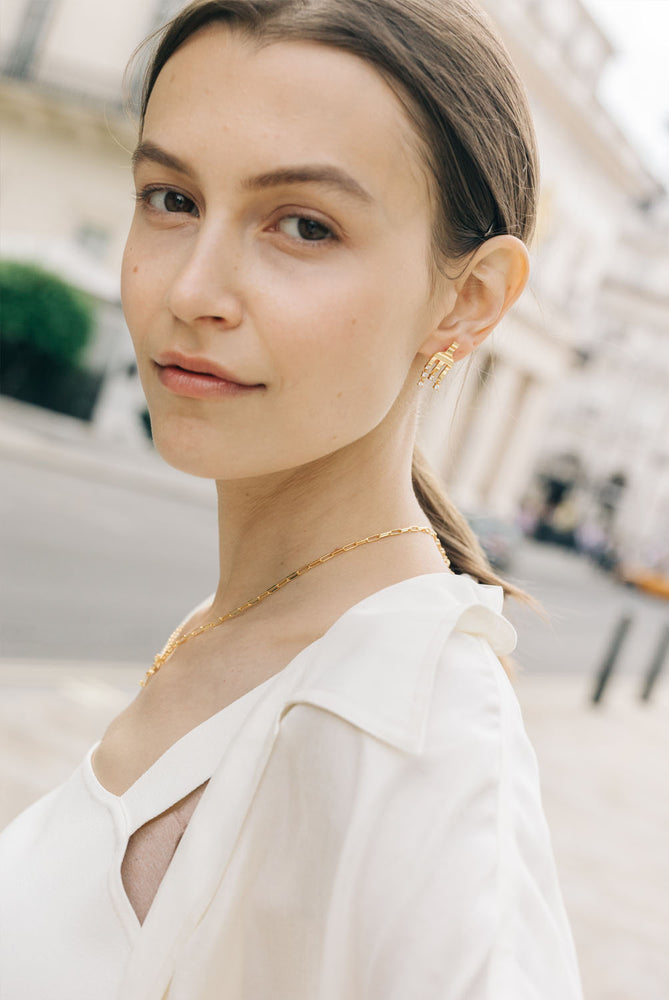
(298, 657)
(175, 747)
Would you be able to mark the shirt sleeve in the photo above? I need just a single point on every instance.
(458, 896)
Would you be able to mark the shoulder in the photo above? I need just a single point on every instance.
(472, 699)
(451, 718)
(439, 757)
(405, 744)
(409, 716)
(398, 659)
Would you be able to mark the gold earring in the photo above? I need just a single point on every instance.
(438, 365)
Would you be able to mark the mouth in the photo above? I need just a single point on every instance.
(199, 378)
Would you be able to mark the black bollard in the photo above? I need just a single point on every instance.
(656, 663)
(612, 653)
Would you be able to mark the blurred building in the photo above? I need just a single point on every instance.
(612, 414)
(68, 202)
(496, 425)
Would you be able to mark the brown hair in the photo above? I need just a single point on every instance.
(456, 81)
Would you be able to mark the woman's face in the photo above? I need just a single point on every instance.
(282, 235)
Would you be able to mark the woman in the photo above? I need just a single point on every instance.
(333, 202)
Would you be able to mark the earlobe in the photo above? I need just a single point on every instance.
(490, 284)
(438, 366)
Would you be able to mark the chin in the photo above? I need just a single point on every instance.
(198, 448)
(202, 462)
(186, 446)
(188, 462)
(201, 452)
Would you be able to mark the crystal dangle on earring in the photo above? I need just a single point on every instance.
(438, 365)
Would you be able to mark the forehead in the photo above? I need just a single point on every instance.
(238, 105)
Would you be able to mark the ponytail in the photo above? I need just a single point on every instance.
(461, 544)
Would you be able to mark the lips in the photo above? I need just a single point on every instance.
(200, 378)
(201, 366)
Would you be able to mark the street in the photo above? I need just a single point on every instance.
(584, 606)
(96, 571)
(100, 567)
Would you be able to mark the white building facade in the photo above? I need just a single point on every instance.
(494, 425)
(68, 202)
(613, 413)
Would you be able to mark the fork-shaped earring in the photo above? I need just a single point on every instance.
(438, 365)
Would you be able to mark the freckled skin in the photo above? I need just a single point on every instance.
(332, 331)
(335, 329)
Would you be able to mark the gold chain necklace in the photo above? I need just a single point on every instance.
(176, 639)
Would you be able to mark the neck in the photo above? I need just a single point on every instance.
(272, 525)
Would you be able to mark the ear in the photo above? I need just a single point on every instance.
(479, 297)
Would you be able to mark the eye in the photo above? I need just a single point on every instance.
(304, 228)
(168, 201)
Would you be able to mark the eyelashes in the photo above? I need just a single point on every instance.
(174, 202)
(300, 227)
(307, 228)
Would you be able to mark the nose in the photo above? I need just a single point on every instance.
(203, 290)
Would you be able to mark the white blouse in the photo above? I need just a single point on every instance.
(372, 830)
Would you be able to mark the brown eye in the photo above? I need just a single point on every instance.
(304, 228)
(175, 202)
(166, 200)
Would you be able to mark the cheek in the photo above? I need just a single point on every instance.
(131, 278)
(345, 324)
(320, 335)
(142, 281)
(341, 345)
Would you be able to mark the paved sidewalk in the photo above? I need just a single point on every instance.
(603, 777)
(605, 787)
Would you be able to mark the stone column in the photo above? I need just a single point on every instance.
(445, 416)
(506, 488)
(487, 436)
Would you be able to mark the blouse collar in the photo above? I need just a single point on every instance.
(375, 666)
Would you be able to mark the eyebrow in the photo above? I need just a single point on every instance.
(148, 151)
(309, 174)
(304, 174)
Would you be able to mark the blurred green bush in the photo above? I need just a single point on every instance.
(45, 324)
